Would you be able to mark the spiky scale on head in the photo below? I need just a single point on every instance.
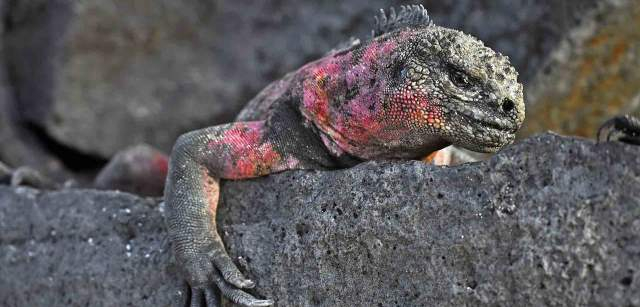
(409, 16)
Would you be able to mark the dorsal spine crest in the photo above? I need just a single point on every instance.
(409, 16)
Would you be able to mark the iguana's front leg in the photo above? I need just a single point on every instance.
(199, 159)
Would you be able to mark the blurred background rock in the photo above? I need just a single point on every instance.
(84, 79)
(592, 75)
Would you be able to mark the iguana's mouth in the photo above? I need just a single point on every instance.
(486, 139)
(489, 133)
(481, 118)
(490, 120)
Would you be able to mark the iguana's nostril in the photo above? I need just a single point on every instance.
(507, 105)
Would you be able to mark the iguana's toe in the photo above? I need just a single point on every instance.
(236, 295)
(213, 275)
(229, 270)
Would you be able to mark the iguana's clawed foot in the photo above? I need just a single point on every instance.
(25, 176)
(624, 128)
(216, 274)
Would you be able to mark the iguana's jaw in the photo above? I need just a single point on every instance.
(478, 130)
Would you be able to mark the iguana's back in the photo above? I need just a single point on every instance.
(258, 107)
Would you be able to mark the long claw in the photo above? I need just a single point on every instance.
(238, 296)
(229, 270)
(262, 303)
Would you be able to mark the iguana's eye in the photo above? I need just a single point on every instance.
(459, 78)
(400, 71)
(403, 72)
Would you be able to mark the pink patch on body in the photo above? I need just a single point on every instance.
(364, 121)
(316, 101)
(377, 50)
(331, 68)
(253, 162)
(370, 54)
(247, 154)
(316, 89)
(388, 47)
(358, 121)
(362, 124)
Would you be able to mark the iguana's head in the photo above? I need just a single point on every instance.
(446, 83)
(415, 88)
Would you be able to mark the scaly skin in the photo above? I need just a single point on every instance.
(411, 90)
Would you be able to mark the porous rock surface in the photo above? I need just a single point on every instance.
(549, 221)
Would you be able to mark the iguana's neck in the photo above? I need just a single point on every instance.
(342, 94)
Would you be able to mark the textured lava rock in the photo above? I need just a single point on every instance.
(550, 221)
(101, 75)
(82, 248)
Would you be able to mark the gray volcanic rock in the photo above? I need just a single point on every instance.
(102, 75)
(549, 221)
(82, 248)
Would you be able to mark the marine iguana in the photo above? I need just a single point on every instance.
(411, 89)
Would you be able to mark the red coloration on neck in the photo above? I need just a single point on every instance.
(343, 97)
